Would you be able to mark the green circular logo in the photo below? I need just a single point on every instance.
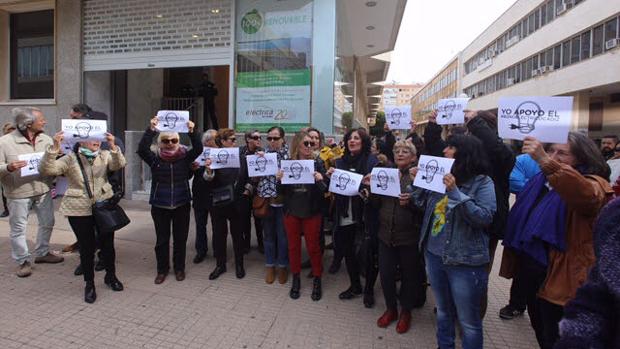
(252, 22)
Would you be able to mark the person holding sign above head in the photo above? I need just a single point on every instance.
(171, 165)
(230, 195)
(399, 230)
(269, 192)
(29, 192)
(455, 241)
(302, 213)
(351, 219)
(549, 231)
(77, 203)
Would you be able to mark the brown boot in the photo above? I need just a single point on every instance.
(282, 275)
(49, 258)
(270, 275)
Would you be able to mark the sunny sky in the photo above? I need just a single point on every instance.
(433, 31)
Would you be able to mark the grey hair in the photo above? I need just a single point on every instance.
(209, 134)
(24, 117)
(406, 145)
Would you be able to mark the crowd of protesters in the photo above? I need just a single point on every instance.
(560, 241)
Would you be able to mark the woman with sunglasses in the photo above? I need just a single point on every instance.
(351, 218)
(251, 147)
(302, 212)
(231, 194)
(274, 239)
(170, 199)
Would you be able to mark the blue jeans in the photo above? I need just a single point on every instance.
(458, 291)
(274, 238)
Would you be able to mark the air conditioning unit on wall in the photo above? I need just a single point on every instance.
(561, 9)
(510, 81)
(613, 43)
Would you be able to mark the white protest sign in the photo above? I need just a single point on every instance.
(224, 158)
(398, 117)
(450, 111)
(547, 119)
(83, 130)
(67, 144)
(345, 183)
(297, 171)
(265, 165)
(385, 181)
(431, 170)
(32, 166)
(173, 121)
(203, 157)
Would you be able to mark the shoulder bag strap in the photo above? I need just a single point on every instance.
(86, 183)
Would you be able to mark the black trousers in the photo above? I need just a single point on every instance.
(175, 221)
(518, 299)
(84, 229)
(221, 217)
(344, 237)
(201, 215)
(550, 315)
(412, 288)
(371, 269)
(532, 276)
(247, 227)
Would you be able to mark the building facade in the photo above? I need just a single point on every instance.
(398, 94)
(552, 48)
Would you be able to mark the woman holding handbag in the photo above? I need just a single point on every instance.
(92, 164)
(269, 200)
(170, 199)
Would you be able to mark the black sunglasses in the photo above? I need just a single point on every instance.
(232, 139)
(168, 141)
(256, 138)
(273, 139)
(308, 144)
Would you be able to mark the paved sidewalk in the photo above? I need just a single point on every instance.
(47, 309)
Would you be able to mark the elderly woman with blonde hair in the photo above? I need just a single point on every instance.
(171, 165)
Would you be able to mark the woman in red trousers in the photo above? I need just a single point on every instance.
(302, 212)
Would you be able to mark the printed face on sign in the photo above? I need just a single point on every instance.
(202, 158)
(546, 118)
(297, 171)
(266, 165)
(32, 164)
(398, 117)
(82, 130)
(345, 183)
(395, 116)
(224, 158)
(431, 170)
(450, 111)
(173, 120)
(385, 181)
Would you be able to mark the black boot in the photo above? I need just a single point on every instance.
(239, 270)
(353, 291)
(219, 270)
(89, 292)
(369, 299)
(78, 270)
(316, 289)
(295, 287)
(113, 282)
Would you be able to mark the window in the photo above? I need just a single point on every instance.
(549, 57)
(525, 28)
(597, 40)
(32, 55)
(611, 29)
(565, 53)
(585, 45)
(550, 11)
(543, 15)
(575, 50)
(527, 66)
(532, 23)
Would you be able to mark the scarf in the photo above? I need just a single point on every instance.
(267, 186)
(534, 222)
(173, 155)
(89, 154)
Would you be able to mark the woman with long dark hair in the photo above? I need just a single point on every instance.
(549, 236)
(302, 207)
(454, 240)
(171, 164)
(351, 219)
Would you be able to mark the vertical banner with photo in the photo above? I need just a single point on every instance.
(273, 64)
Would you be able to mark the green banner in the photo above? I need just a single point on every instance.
(288, 128)
(274, 78)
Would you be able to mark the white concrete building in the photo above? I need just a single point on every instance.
(554, 47)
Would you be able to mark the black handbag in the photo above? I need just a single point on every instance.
(222, 196)
(108, 215)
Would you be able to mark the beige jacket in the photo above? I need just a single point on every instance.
(76, 201)
(14, 185)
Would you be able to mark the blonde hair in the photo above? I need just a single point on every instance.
(166, 135)
(406, 145)
(296, 142)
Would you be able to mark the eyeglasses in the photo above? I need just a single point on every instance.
(274, 139)
(231, 139)
(617, 150)
(308, 144)
(255, 138)
(168, 141)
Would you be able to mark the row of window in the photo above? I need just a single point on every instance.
(437, 86)
(592, 42)
(535, 20)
